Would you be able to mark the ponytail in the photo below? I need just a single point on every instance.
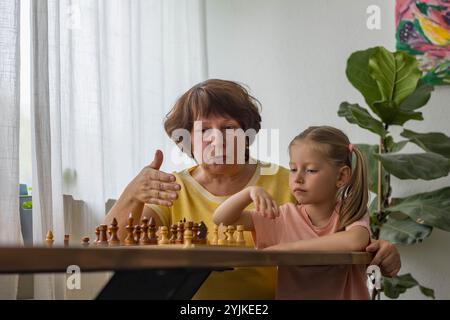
(355, 195)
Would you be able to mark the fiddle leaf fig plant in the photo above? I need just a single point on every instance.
(393, 90)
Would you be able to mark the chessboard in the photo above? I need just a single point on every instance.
(184, 234)
(178, 258)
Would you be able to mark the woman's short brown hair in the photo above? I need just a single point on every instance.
(214, 97)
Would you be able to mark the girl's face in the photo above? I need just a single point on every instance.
(209, 143)
(313, 179)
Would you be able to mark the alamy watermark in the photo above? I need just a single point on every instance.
(73, 281)
(229, 146)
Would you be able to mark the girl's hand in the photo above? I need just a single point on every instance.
(154, 186)
(264, 203)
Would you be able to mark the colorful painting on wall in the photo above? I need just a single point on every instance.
(423, 30)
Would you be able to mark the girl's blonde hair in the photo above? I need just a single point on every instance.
(336, 146)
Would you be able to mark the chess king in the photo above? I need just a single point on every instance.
(195, 193)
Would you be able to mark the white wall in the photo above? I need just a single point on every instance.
(292, 54)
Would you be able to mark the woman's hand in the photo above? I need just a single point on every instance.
(154, 186)
(386, 257)
(264, 203)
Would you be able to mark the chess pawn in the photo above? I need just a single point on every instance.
(113, 239)
(103, 237)
(66, 240)
(153, 239)
(180, 233)
(173, 234)
(215, 238)
(240, 240)
(222, 240)
(129, 240)
(187, 238)
(85, 242)
(145, 240)
(230, 239)
(137, 233)
(49, 238)
(164, 235)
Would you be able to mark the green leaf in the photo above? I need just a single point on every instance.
(418, 98)
(427, 292)
(425, 166)
(404, 231)
(393, 287)
(373, 207)
(435, 142)
(27, 205)
(395, 146)
(391, 115)
(396, 74)
(369, 152)
(429, 208)
(358, 115)
(358, 74)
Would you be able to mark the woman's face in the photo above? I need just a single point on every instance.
(217, 144)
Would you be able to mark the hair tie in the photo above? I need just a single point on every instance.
(350, 148)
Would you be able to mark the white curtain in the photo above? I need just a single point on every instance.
(104, 74)
(10, 233)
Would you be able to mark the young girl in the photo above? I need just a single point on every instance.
(330, 214)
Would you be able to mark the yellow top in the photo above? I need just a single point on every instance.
(195, 203)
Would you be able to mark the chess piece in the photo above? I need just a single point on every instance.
(222, 240)
(173, 234)
(137, 233)
(97, 235)
(194, 233)
(164, 235)
(215, 238)
(129, 240)
(49, 238)
(187, 238)
(188, 225)
(180, 233)
(85, 242)
(202, 233)
(113, 238)
(240, 240)
(230, 239)
(145, 240)
(66, 240)
(103, 237)
(153, 239)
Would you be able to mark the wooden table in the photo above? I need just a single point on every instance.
(172, 272)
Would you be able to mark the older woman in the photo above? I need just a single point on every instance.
(194, 193)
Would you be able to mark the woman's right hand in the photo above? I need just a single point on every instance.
(154, 186)
(264, 203)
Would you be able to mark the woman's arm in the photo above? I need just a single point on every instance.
(355, 239)
(150, 186)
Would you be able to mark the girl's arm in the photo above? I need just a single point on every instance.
(231, 211)
(355, 239)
